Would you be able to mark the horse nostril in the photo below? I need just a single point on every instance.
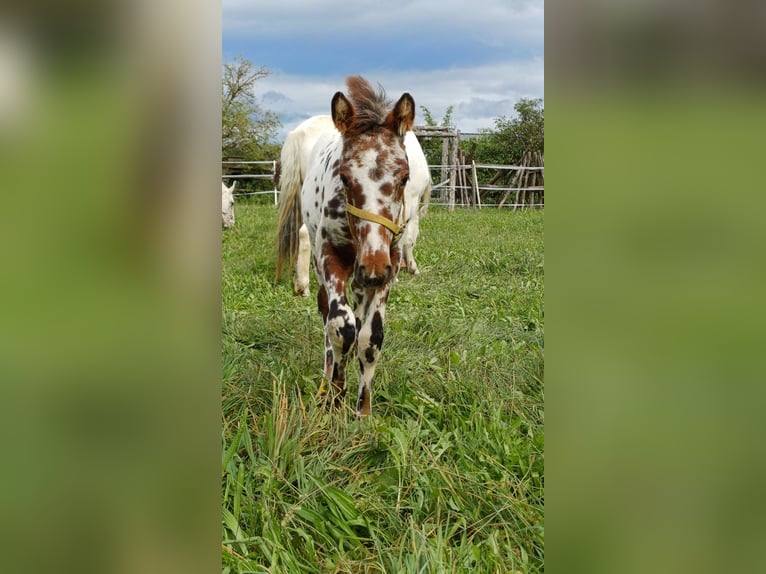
(373, 279)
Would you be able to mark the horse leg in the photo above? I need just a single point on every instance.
(412, 232)
(330, 369)
(340, 338)
(409, 259)
(412, 265)
(370, 313)
(370, 310)
(302, 263)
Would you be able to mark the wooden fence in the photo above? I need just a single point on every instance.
(460, 187)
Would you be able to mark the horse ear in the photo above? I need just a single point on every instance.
(233, 185)
(402, 117)
(342, 112)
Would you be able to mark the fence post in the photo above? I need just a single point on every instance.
(273, 178)
(452, 172)
(445, 158)
(475, 184)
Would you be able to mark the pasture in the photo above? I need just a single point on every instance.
(447, 473)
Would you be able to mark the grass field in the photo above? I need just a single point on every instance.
(447, 474)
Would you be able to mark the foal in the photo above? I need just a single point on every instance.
(352, 204)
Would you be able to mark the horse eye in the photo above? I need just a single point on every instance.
(344, 181)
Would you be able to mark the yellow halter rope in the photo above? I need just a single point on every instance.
(395, 228)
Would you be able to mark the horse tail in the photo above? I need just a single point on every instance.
(290, 219)
(426, 199)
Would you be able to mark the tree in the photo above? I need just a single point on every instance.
(247, 129)
(446, 121)
(526, 132)
(512, 137)
(432, 147)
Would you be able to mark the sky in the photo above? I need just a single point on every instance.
(478, 56)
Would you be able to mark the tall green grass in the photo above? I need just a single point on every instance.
(447, 474)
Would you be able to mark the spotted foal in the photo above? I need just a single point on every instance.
(353, 208)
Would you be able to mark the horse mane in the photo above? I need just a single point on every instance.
(371, 106)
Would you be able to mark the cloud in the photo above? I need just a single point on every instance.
(480, 60)
(274, 97)
(478, 94)
(446, 23)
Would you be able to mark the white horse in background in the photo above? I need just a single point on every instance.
(294, 160)
(227, 204)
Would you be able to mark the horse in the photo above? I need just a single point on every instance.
(294, 159)
(227, 204)
(352, 209)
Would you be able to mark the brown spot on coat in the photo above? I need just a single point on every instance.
(322, 304)
(376, 173)
(376, 337)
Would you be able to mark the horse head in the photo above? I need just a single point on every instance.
(373, 171)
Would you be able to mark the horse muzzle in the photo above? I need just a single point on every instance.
(372, 278)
